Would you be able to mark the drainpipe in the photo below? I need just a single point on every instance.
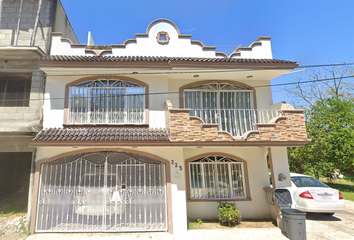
(30, 189)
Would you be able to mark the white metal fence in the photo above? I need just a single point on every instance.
(102, 192)
(236, 121)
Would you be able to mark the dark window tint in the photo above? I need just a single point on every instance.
(307, 182)
(15, 89)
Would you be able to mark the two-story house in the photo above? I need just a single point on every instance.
(144, 135)
(25, 36)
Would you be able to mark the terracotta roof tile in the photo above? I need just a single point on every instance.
(89, 134)
(67, 58)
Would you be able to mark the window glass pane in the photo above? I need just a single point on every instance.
(15, 89)
(216, 177)
(110, 101)
(228, 105)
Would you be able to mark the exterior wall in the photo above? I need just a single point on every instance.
(15, 143)
(178, 45)
(184, 128)
(9, 20)
(10, 15)
(255, 207)
(290, 127)
(280, 165)
(62, 23)
(16, 60)
(260, 49)
(178, 121)
(24, 119)
(15, 172)
(55, 92)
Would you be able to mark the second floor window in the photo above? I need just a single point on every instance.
(106, 101)
(15, 89)
(229, 105)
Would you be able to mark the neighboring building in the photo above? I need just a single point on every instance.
(22, 83)
(147, 134)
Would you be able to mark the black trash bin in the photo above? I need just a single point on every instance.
(293, 221)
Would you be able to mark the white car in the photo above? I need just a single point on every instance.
(311, 195)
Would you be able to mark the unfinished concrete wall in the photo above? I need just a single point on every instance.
(24, 119)
(9, 22)
(19, 55)
(52, 16)
(63, 25)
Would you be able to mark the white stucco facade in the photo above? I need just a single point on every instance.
(178, 45)
(168, 84)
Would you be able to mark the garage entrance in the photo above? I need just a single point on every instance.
(102, 192)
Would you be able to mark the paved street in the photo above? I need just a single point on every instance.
(339, 226)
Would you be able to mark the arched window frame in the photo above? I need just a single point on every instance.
(222, 161)
(129, 116)
(227, 103)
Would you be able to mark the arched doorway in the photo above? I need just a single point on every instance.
(102, 192)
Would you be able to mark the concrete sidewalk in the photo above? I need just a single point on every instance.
(240, 234)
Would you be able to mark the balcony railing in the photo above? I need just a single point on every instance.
(106, 117)
(236, 121)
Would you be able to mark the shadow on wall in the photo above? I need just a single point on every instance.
(15, 170)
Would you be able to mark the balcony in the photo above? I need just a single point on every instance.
(236, 121)
(106, 116)
(281, 126)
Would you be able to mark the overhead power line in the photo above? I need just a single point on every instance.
(178, 92)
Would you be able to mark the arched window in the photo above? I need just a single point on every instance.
(217, 177)
(106, 101)
(229, 105)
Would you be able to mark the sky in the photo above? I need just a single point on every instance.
(309, 32)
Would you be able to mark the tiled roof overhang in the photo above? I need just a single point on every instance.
(161, 62)
(133, 136)
(102, 134)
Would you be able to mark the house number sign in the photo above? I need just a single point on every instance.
(179, 167)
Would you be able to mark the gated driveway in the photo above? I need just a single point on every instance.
(339, 226)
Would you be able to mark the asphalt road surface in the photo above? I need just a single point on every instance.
(339, 226)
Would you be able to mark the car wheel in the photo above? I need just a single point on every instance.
(328, 214)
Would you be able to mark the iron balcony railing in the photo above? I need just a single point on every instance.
(236, 121)
(133, 116)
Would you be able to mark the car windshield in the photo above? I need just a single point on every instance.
(301, 181)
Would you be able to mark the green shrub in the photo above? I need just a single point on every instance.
(229, 215)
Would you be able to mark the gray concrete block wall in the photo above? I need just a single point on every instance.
(63, 25)
(9, 19)
(24, 119)
(28, 119)
(51, 12)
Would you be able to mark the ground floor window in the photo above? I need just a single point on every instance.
(216, 177)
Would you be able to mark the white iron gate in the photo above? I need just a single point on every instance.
(102, 192)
